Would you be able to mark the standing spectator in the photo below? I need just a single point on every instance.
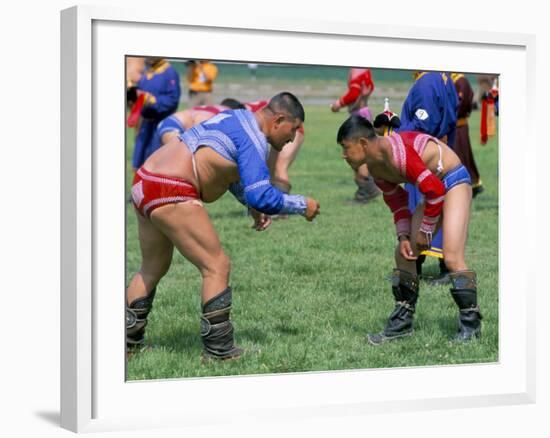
(200, 79)
(462, 146)
(252, 68)
(430, 107)
(159, 89)
(135, 66)
(488, 90)
(360, 87)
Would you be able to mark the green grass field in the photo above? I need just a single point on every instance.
(305, 294)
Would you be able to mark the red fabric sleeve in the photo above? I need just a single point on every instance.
(397, 199)
(429, 185)
(368, 81)
(354, 90)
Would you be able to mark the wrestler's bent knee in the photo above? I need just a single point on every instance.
(219, 266)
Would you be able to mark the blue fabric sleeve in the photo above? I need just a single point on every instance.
(168, 98)
(291, 203)
(257, 189)
(237, 190)
(255, 178)
(420, 112)
(166, 89)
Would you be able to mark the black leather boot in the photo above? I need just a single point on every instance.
(217, 329)
(136, 319)
(400, 321)
(464, 292)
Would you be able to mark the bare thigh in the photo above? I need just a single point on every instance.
(456, 217)
(156, 248)
(189, 228)
(156, 257)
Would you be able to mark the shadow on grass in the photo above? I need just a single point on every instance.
(189, 341)
(228, 213)
(448, 325)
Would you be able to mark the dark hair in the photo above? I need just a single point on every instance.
(354, 128)
(232, 103)
(287, 104)
(387, 119)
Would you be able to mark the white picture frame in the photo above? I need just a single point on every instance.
(94, 394)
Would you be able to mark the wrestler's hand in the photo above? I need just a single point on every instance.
(335, 106)
(261, 220)
(405, 249)
(313, 209)
(422, 242)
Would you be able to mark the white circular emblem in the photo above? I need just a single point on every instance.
(421, 114)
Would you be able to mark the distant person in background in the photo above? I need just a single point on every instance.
(159, 91)
(135, 67)
(462, 146)
(430, 107)
(488, 90)
(226, 152)
(252, 68)
(360, 87)
(200, 79)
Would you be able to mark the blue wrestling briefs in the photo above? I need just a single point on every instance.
(456, 176)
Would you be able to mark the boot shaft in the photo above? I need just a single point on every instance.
(217, 328)
(464, 289)
(405, 287)
(136, 318)
(464, 293)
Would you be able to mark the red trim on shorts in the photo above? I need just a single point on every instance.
(152, 190)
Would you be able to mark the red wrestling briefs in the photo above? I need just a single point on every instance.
(151, 190)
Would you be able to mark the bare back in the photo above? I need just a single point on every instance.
(213, 175)
(431, 156)
(380, 160)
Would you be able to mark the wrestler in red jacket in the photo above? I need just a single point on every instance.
(445, 184)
